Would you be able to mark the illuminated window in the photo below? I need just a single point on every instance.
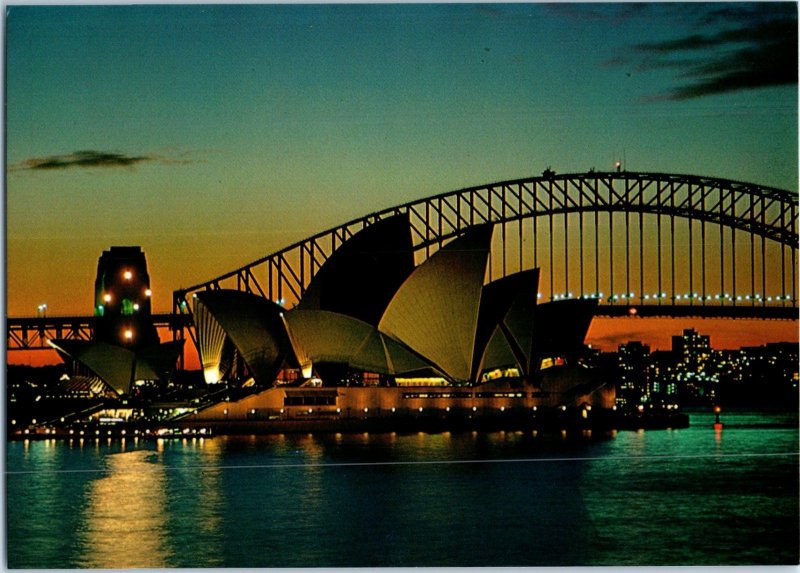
(127, 307)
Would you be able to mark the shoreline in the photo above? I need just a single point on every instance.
(603, 422)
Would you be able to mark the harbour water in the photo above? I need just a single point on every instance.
(690, 496)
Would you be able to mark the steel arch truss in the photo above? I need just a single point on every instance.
(719, 207)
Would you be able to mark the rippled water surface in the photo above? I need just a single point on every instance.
(689, 496)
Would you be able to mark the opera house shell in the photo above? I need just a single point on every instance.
(375, 333)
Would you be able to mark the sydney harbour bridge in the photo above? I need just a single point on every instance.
(644, 244)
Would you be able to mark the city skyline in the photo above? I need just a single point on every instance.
(213, 135)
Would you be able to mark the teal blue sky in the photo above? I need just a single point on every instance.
(213, 135)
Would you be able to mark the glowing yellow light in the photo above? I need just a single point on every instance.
(128, 334)
(148, 292)
(136, 306)
(211, 374)
(128, 275)
(107, 297)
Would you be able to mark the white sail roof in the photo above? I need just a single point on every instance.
(327, 336)
(435, 311)
(252, 323)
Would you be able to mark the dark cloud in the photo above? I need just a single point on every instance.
(748, 13)
(753, 46)
(90, 159)
(693, 42)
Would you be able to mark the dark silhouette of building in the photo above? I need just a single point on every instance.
(122, 299)
(633, 374)
(125, 350)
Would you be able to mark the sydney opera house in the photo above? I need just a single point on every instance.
(376, 335)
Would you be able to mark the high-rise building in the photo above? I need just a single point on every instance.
(633, 374)
(696, 378)
(691, 349)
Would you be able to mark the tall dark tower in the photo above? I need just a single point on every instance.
(122, 299)
(125, 350)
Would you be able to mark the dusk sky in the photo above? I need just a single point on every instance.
(214, 135)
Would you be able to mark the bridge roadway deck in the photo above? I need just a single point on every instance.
(32, 333)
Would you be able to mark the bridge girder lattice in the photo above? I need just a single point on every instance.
(710, 212)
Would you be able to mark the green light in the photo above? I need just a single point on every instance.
(127, 307)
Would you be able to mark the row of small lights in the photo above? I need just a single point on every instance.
(663, 295)
(203, 431)
(136, 433)
(366, 410)
(632, 295)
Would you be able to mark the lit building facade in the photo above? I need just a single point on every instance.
(694, 372)
(633, 372)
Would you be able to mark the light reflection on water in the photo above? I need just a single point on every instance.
(124, 522)
(688, 496)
